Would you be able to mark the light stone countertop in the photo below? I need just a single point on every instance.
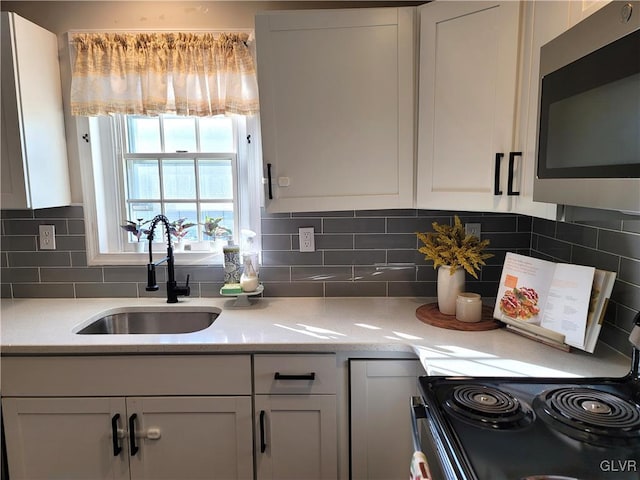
(376, 326)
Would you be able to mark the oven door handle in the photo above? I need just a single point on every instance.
(419, 465)
(418, 410)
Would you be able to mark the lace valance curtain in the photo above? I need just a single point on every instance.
(154, 73)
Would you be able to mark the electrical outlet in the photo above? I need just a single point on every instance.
(473, 229)
(307, 241)
(47, 237)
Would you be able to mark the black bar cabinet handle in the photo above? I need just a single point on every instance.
(114, 432)
(269, 181)
(306, 376)
(263, 444)
(132, 434)
(512, 161)
(496, 182)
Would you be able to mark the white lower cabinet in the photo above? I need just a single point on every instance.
(296, 437)
(150, 417)
(120, 438)
(296, 417)
(171, 417)
(381, 441)
(64, 438)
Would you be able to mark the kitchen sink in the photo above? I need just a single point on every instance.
(151, 322)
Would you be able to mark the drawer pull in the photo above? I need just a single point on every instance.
(307, 376)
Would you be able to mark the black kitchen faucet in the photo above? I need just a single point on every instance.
(173, 289)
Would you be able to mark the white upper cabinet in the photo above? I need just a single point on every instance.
(34, 154)
(542, 22)
(581, 9)
(339, 108)
(467, 101)
(337, 101)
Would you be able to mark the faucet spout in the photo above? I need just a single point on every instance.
(173, 289)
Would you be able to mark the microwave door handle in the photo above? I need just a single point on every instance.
(496, 183)
(512, 161)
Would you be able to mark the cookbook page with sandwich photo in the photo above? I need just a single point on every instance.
(556, 303)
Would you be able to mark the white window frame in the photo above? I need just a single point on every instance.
(103, 193)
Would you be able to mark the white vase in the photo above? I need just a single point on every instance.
(449, 286)
(140, 247)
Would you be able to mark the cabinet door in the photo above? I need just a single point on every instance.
(468, 74)
(581, 9)
(34, 151)
(64, 438)
(381, 438)
(191, 438)
(543, 21)
(296, 437)
(337, 108)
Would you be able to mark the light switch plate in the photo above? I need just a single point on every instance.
(47, 237)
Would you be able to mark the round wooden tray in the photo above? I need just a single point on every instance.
(430, 314)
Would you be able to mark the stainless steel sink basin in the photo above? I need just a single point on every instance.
(151, 322)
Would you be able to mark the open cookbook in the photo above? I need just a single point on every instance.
(559, 304)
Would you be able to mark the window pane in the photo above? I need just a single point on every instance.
(179, 178)
(144, 134)
(216, 134)
(143, 213)
(216, 179)
(179, 134)
(224, 211)
(144, 179)
(186, 211)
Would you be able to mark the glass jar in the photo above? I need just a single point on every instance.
(469, 307)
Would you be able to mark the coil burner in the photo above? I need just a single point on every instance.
(590, 415)
(488, 407)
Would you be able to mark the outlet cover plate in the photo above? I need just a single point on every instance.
(473, 229)
(47, 237)
(307, 240)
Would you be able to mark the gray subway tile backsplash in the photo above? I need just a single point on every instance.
(358, 253)
(619, 243)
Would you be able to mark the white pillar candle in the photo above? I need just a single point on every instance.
(469, 307)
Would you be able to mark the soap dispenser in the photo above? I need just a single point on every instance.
(249, 278)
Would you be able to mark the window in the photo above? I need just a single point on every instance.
(201, 171)
(184, 168)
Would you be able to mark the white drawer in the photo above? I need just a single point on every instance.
(295, 374)
(126, 375)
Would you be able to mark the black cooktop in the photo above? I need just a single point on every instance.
(508, 429)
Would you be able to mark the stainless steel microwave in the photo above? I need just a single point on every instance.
(589, 113)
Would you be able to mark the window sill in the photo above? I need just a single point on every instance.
(134, 258)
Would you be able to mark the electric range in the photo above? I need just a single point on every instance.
(497, 428)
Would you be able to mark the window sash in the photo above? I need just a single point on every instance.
(163, 200)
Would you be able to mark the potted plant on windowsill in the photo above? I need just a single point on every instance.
(135, 228)
(216, 233)
(179, 230)
(452, 252)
